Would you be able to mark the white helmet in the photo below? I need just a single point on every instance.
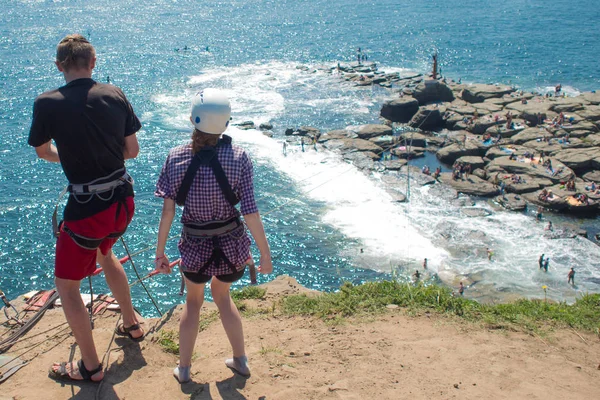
(211, 111)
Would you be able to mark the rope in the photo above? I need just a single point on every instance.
(140, 280)
(106, 357)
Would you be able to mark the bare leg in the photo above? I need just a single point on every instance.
(230, 316)
(117, 281)
(77, 317)
(188, 326)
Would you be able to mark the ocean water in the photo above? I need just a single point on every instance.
(319, 211)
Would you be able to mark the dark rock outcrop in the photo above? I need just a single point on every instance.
(400, 110)
(432, 91)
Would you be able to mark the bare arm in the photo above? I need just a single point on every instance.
(257, 230)
(48, 152)
(166, 220)
(132, 148)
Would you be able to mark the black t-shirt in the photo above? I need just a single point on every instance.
(88, 121)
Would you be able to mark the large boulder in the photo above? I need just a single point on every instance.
(590, 113)
(336, 134)
(473, 185)
(427, 119)
(529, 134)
(360, 160)
(591, 97)
(567, 104)
(592, 176)
(373, 130)
(579, 160)
(481, 125)
(473, 161)
(308, 131)
(352, 145)
(479, 93)
(533, 169)
(529, 111)
(451, 153)
(400, 110)
(414, 138)
(431, 91)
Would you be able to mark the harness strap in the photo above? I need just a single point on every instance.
(217, 256)
(207, 156)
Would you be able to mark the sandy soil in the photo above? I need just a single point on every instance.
(393, 356)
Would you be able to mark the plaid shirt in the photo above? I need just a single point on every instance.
(206, 202)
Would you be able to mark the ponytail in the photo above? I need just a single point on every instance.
(201, 139)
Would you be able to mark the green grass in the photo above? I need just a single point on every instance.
(248, 292)
(169, 341)
(370, 298)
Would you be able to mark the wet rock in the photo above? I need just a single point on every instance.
(475, 212)
(265, 126)
(511, 201)
(373, 130)
(268, 133)
(245, 125)
(431, 91)
(400, 110)
(427, 119)
(478, 93)
(289, 131)
(360, 160)
(393, 165)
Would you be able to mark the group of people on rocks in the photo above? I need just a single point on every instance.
(460, 169)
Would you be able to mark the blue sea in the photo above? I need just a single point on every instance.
(326, 221)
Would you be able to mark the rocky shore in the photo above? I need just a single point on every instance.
(549, 141)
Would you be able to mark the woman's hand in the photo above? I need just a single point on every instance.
(161, 264)
(266, 265)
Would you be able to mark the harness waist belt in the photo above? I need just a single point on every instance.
(92, 188)
(211, 228)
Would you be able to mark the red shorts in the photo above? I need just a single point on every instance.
(74, 262)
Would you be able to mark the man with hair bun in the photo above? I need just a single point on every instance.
(93, 127)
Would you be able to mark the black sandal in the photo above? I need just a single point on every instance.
(121, 330)
(63, 375)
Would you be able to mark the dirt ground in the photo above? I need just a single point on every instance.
(392, 356)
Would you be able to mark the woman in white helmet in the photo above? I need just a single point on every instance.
(208, 177)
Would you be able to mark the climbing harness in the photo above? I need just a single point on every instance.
(212, 230)
(92, 189)
(207, 156)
